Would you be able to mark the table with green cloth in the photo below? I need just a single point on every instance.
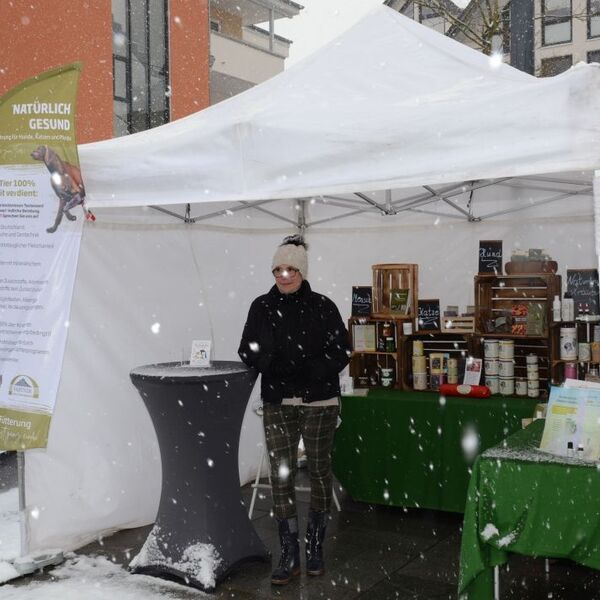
(522, 500)
(406, 448)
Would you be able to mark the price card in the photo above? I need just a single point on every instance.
(200, 356)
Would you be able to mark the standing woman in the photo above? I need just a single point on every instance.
(298, 342)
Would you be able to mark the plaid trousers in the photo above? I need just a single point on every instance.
(283, 427)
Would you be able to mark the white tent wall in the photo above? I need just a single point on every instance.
(138, 268)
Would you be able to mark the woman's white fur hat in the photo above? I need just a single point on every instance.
(292, 253)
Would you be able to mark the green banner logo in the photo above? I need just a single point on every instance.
(42, 211)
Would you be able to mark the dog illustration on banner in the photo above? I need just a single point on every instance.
(66, 183)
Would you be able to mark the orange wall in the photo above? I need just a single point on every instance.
(188, 56)
(40, 35)
(43, 34)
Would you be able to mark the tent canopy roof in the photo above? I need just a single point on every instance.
(390, 104)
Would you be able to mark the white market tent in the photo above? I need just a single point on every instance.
(384, 125)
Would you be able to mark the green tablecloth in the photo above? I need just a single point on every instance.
(405, 448)
(525, 501)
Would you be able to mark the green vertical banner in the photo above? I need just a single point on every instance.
(41, 217)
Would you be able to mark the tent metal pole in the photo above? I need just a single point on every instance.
(542, 188)
(337, 217)
(28, 563)
(436, 214)
(447, 192)
(552, 180)
(271, 214)
(539, 203)
(169, 212)
(596, 186)
(301, 207)
(224, 211)
(327, 200)
(350, 205)
(368, 200)
(24, 525)
(455, 206)
(388, 200)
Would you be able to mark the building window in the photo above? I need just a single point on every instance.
(426, 12)
(215, 25)
(506, 29)
(140, 73)
(556, 22)
(554, 66)
(593, 11)
(593, 56)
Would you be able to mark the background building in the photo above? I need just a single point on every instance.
(145, 62)
(243, 54)
(541, 37)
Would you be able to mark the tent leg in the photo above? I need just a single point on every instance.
(496, 583)
(22, 504)
(597, 213)
(26, 563)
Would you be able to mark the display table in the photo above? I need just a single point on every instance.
(405, 448)
(529, 502)
(202, 528)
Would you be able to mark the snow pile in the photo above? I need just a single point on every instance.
(201, 561)
(7, 572)
(96, 578)
(198, 561)
(534, 454)
(489, 531)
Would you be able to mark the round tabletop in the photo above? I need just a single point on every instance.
(174, 371)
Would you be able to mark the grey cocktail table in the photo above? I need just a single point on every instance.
(202, 529)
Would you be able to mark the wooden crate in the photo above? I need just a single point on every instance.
(454, 344)
(458, 324)
(369, 362)
(497, 296)
(524, 346)
(387, 277)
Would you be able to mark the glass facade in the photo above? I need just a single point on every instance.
(593, 56)
(593, 12)
(556, 22)
(554, 66)
(140, 65)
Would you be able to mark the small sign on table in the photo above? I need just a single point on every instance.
(200, 356)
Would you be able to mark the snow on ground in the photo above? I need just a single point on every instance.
(92, 578)
(10, 537)
(97, 578)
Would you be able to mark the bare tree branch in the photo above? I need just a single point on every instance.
(482, 20)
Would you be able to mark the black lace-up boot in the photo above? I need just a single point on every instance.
(315, 533)
(289, 562)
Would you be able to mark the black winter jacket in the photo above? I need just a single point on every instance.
(299, 344)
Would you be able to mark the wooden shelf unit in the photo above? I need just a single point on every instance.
(524, 345)
(369, 362)
(584, 334)
(499, 295)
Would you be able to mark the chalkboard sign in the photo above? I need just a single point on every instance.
(490, 256)
(428, 316)
(582, 284)
(362, 299)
